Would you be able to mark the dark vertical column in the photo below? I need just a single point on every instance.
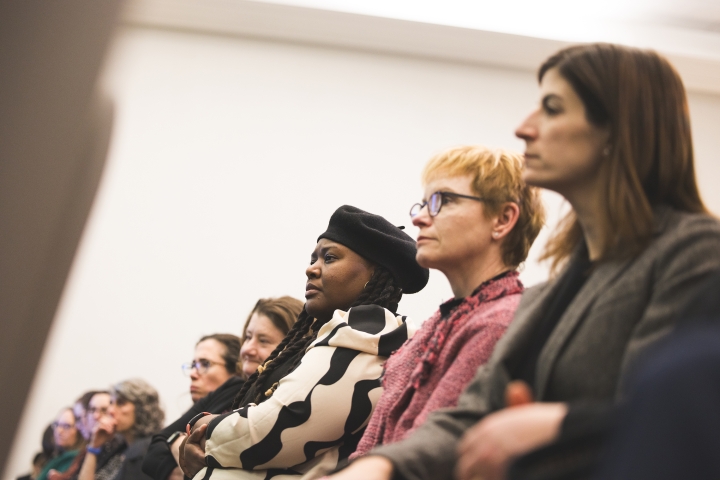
(54, 133)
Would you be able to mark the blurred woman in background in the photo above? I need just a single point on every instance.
(68, 443)
(133, 416)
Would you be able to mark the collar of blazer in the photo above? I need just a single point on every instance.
(533, 307)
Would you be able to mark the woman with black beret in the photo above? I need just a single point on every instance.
(304, 410)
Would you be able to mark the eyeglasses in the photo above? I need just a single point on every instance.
(436, 201)
(100, 410)
(201, 366)
(62, 425)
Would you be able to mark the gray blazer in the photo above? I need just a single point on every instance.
(623, 307)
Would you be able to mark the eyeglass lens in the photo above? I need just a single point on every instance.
(200, 365)
(64, 426)
(435, 204)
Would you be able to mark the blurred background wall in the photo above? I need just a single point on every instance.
(235, 138)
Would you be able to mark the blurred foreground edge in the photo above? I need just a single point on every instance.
(54, 135)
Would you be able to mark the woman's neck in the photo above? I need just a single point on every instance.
(466, 277)
(587, 210)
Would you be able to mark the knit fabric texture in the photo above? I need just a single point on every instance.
(431, 370)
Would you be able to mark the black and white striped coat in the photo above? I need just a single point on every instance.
(318, 412)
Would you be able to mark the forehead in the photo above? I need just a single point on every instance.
(210, 349)
(66, 416)
(326, 244)
(260, 324)
(555, 84)
(100, 399)
(457, 184)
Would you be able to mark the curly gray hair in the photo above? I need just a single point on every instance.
(148, 414)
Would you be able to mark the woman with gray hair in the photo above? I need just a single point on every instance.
(120, 439)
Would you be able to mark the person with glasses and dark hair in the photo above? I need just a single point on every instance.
(88, 409)
(218, 369)
(214, 363)
(477, 222)
(121, 437)
(304, 409)
(68, 443)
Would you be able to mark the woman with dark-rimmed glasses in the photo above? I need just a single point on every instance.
(477, 221)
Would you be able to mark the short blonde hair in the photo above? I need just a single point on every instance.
(496, 177)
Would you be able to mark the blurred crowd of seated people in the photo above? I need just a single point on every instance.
(108, 434)
(501, 382)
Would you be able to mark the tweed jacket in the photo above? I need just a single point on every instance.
(623, 307)
(319, 411)
(432, 369)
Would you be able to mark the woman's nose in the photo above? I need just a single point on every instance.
(422, 218)
(313, 270)
(527, 130)
(248, 347)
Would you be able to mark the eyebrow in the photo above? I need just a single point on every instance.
(323, 249)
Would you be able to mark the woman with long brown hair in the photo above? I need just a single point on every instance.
(612, 135)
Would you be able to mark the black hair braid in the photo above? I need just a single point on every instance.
(299, 329)
(381, 290)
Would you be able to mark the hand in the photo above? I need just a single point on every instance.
(52, 473)
(103, 431)
(486, 450)
(192, 451)
(373, 467)
(175, 447)
(176, 474)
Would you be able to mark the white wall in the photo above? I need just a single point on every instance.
(228, 158)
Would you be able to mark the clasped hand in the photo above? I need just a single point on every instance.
(486, 450)
(192, 449)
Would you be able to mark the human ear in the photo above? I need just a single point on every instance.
(505, 220)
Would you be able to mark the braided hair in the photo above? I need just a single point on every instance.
(382, 290)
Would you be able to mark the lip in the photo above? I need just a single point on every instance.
(193, 389)
(311, 290)
(421, 238)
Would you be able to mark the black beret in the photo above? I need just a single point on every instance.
(381, 242)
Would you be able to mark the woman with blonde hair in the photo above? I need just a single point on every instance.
(611, 134)
(477, 222)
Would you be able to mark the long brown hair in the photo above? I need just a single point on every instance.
(282, 311)
(640, 97)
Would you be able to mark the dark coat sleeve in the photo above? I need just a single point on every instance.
(159, 462)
